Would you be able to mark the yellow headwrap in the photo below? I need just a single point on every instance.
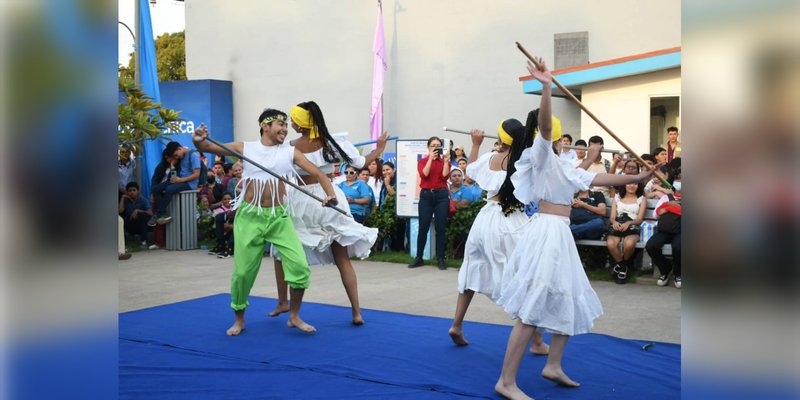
(556, 130)
(303, 119)
(505, 138)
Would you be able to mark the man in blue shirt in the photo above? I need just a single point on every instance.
(586, 218)
(185, 179)
(135, 211)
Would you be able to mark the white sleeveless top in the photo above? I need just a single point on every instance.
(542, 175)
(487, 179)
(317, 159)
(631, 210)
(278, 159)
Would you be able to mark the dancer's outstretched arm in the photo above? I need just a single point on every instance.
(542, 74)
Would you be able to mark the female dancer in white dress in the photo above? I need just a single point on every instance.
(501, 223)
(327, 235)
(544, 285)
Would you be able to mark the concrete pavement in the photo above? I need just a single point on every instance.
(152, 278)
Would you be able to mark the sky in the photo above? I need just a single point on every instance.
(167, 16)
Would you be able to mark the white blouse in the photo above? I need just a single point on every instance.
(487, 178)
(542, 175)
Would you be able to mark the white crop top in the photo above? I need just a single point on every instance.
(542, 175)
(631, 210)
(487, 179)
(278, 159)
(317, 159)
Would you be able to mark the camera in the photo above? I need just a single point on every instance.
(438, 150)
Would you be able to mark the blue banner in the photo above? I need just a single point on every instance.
(149, 81)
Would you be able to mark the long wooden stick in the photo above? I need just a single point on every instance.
(265, 169)
(572, 97)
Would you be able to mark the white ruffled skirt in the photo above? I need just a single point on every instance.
(544, 284)
(318, 227)
(489, 245)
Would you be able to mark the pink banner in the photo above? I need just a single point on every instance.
(378, 69)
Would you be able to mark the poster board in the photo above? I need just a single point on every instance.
(409, 151)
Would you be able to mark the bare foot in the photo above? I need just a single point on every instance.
(510, 392)
(559, 377)
(279, 309)
(296, 322)
(358, 320)
(236, 328)
(541, 349)
(458, 336)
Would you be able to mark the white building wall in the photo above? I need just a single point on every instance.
(623, 105)
(451, 62)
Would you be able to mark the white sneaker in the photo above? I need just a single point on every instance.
(677, 282)
(663, 280)
(154, 247)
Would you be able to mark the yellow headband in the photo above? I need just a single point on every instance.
(277, 117)
(303, 119)
(505, 138)
(555, 132)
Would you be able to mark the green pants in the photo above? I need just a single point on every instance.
(253, 226)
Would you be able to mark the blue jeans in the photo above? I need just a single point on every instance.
(592, 230)
(432, 203)
(163, 192)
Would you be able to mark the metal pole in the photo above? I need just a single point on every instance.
(465, 132)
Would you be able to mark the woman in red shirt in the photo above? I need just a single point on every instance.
(433, 198)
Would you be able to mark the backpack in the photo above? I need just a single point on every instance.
(669, 222)
(201, 180)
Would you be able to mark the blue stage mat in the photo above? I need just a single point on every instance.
(181, 351)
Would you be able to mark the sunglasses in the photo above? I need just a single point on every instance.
(350, 172)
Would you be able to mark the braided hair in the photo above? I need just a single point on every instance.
(331, 151)
(523, 138)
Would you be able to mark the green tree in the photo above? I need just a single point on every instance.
(170, 59)
(138, 122)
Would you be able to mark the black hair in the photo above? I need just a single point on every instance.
(132, 185)
(228, 194)
(657, 150)
(581, 142)
(171, 147)
(432, 138)
(331, 151)
(161, 169)
(390, 164)
(269, 112)
(639, 190)
(211, 179)
(227, 167)
(648, 157)
(672, 129)
(673, 169)
(567, 135)
(596, 139)
(523, 138)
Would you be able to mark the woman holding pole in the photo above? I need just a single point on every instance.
(544, 286)
(502, 220)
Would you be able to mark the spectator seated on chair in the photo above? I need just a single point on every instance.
(186, 178)
(223, 227)
(135, 212)
(627, 213)
(668, 230)
(587, 217)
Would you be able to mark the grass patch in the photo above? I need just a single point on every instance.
(399, 257)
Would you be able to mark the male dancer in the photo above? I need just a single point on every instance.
(262, 216)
